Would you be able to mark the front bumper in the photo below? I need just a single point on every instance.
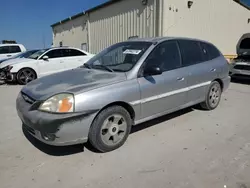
(7, 76)
(240, 69)
(54, 129)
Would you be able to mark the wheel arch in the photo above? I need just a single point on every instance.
(125, 105)
(27, 68)
(220, 82)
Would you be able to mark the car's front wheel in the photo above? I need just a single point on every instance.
(110, 129)
(25, 76)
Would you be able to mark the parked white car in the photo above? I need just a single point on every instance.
(42, 63)
(9, 50)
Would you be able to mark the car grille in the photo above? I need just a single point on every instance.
(242, 67)
(28, 99)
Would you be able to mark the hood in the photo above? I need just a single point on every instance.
(243, 46)
(14, 61)
(72, 81)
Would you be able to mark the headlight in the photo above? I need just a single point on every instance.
(61, 103)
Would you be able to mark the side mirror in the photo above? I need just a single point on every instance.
(45, 58)
(152, 70)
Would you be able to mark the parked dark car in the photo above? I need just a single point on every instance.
(240, 66)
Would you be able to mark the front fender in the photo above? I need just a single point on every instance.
(127, 91)
(18, 67)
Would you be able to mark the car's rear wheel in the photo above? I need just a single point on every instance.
(213, 96)
(25, 76)
(110, 129)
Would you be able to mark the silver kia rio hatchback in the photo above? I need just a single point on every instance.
(126, 84)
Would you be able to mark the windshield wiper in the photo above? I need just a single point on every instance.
(87, 66)
(105, 67)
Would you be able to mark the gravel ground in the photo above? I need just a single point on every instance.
(190, 148)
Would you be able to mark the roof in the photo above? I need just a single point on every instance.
(87, 11)
(161, 39)
(11, 44)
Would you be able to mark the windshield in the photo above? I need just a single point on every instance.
(120, 57)
(25, 54)
(37, 54)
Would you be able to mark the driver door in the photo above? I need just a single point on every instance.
(165, 92)
(55, 63)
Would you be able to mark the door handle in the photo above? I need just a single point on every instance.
(8, 55)
(212, 70)
(61, 61)
(181, 79)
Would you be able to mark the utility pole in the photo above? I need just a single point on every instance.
(43, 38)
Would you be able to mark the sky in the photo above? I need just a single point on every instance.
(28, 21)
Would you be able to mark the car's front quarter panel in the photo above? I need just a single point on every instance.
(28, 64)
(126, 91)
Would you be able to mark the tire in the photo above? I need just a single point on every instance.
(107, 131)
(213, 94)
(25, 76)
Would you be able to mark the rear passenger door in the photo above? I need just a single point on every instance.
(201, 69)
(74, 58)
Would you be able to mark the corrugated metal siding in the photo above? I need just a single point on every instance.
(72, 33)
(120, 21)
(221, 22)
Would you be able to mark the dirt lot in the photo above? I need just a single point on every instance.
(191, 148)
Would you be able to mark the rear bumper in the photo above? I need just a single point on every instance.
(226, 82)
(54, 129)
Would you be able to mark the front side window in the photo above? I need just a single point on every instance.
(191, 52)
(120, 57)
(57, 53)
(14, 49)
(4, 49)
(166, 56)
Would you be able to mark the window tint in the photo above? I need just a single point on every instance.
(73, 52)
(14, 49)
(166, 56)
(4, 50)
(191, 52)
(54, 53)
(209, 51)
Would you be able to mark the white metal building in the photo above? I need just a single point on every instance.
(221, 22)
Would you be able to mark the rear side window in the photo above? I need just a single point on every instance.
(209, 51)
(73, 52)
(14, 49)
(54, 53)
(191, 52)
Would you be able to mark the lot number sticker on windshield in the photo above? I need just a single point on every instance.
(134, 52)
